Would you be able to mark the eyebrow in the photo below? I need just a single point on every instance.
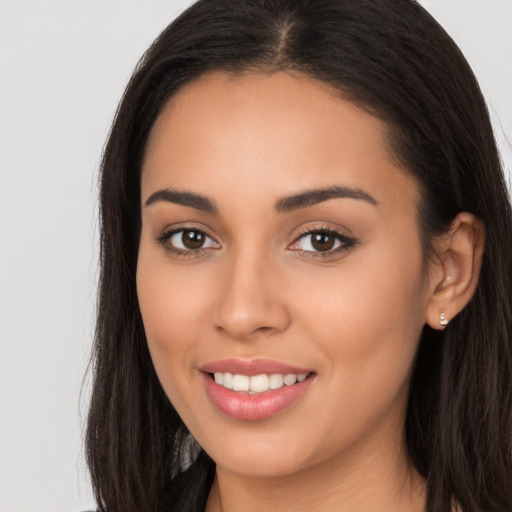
(286, 204)
(312, 197)
(184, 198)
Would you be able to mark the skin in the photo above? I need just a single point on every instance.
(258, 289)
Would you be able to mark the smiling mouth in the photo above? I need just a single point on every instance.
(258, 396)
(255, 384)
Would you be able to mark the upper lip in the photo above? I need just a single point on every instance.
(252, 367)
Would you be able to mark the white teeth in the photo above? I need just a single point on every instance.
(276, 380)
(240, 383)
(257, 383)
(227, 380)
(290, 379)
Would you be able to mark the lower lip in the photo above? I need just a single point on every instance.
(241, 405)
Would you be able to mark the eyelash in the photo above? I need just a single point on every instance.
(346, 243)
(165, 237)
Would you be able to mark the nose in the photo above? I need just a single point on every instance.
(251, 299)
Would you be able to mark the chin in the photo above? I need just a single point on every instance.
(257, 464)
(260, 454)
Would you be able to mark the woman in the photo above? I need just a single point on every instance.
(305, 289)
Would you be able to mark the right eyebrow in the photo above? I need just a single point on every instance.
(184, 198)
(309, 198)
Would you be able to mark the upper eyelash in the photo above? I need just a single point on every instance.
(347, 242)
(166, 235)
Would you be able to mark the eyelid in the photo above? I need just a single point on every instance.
(185, 226)
(165, 235)
(347, 242)
(207, 239)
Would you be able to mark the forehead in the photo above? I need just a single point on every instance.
(268, 133)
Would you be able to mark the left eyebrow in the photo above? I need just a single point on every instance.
(315, 196)
(184, 198)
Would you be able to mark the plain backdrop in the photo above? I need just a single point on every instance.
(63, 67)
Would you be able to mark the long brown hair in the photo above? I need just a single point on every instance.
(391, 58)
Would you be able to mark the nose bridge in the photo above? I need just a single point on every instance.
(249, 300)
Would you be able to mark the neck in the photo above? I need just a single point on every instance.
(356, 482)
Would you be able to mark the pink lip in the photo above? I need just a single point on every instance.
(252, 367)
(241, 405)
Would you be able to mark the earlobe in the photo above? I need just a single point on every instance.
(454, 278)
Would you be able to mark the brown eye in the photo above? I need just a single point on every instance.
(322, 241)
(193, 239)
(319, 241)
(187, 240)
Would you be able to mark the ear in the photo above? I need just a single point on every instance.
(454, 272)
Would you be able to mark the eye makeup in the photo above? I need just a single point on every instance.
(315, 242)
(322, 242)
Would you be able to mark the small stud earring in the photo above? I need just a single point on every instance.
(442, 320)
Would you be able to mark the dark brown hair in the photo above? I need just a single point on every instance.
(391, 58)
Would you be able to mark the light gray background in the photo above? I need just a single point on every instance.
(63, 67)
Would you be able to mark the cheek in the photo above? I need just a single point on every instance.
(368, 317)
(367, 327)
(171, 306)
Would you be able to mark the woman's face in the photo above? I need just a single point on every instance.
(279, 241)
